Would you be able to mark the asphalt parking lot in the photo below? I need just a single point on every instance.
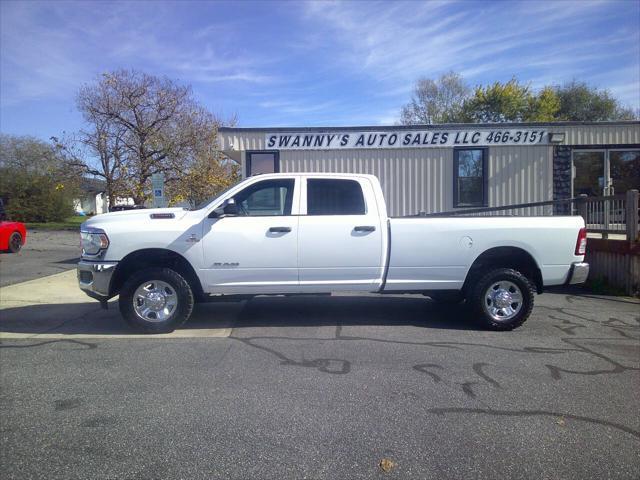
(45, 253)
(318, 387)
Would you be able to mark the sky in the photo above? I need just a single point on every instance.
(305, 63)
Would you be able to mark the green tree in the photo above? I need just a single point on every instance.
(36, 183)
(584, 103)
(447, 99)
(499, 102)
(436, 101)
(544, 106)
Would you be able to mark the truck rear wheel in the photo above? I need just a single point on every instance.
(156, 300)
(502, 299)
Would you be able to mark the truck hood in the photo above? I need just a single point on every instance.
(134, 217)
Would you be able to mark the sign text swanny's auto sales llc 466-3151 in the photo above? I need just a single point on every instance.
(405, 139)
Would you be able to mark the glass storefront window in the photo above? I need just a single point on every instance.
(624, 167)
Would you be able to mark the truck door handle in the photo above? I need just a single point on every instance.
(365, 228)
(280, 229)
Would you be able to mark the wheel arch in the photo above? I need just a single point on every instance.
(155, 257)
(505, 257)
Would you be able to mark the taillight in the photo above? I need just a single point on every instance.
(581, 243)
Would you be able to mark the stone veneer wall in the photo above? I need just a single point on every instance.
(561, 178)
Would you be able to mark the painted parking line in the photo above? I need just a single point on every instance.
(184, 333)
(53, 307)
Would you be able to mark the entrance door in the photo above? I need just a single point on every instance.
(589, 173)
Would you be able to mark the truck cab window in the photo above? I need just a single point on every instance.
(334, 197)
(268, 198)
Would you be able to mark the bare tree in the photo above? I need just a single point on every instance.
(98, 151)
(145, 116)
(436, 101)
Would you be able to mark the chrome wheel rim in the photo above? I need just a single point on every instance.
(155, 301)
(502, 300)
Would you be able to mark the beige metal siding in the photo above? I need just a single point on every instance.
(232, 143)
(421, 180)
(520, 175)
(622, 134)
(412, 180)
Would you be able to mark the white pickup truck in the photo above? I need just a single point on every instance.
(308, 233)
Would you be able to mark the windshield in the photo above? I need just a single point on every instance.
(202, 205)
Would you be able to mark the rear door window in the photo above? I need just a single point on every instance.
(334, 197)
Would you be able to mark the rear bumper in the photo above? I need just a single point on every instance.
(94, 278)
(578, 273)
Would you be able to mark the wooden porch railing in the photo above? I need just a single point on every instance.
(615, 214)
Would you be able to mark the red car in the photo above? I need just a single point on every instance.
(13, 235)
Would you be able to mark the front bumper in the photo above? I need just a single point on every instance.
(94, 278)
(578, 273)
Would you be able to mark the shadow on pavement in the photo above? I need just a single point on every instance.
(352, 311)
(69, 261)
(89, 318)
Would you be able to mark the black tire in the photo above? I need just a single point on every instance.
(177, 317)
(15, 242)
(481, 305)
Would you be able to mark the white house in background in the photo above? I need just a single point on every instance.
(94, 200)
(91, 204)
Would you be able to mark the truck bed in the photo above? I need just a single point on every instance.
(437, 252)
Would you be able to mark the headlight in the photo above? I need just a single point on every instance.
(92, 240)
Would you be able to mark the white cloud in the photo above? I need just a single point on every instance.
(398, 44)
(49, 49)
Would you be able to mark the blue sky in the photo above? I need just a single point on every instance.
(305, 63)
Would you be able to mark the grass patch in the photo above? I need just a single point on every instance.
(71, 223)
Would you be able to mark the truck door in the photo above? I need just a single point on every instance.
(340, 239)
(256, 250)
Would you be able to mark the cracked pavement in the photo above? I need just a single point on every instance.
(325, 387)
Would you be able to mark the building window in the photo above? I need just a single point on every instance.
(470, 177)
(624, 166)
(262, 162)
(334, 197)
(605, 172)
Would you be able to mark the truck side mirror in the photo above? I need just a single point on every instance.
(229, 208)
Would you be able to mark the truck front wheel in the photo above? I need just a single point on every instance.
(502, 299)
(156, 300)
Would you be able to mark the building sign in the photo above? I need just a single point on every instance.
(405, 139)
(157, 185)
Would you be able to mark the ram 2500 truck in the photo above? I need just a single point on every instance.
(302, 233)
